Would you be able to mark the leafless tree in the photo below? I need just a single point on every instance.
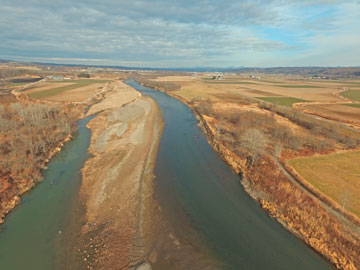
(255, 142)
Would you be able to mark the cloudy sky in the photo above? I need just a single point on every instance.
(182, 33)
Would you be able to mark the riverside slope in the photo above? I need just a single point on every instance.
(117, 186)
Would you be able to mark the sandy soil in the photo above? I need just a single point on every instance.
(119, 95)
(117, 186)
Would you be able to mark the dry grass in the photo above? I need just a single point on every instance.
(68, 85)
(304, 89)
(336, 175)
(174, 79)
(338, 112)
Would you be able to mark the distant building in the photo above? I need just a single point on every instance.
(55, 77)
(255, 77)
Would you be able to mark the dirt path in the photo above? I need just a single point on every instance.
(117, 188)
(354, 227)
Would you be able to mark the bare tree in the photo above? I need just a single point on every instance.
(255, 142)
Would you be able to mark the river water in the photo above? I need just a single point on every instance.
(33, 231)
(190, 176)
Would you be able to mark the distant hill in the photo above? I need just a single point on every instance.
(330, 72)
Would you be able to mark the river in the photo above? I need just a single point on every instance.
(192, 178)
(192, 182)
(33, 232)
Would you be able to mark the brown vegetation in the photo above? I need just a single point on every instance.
(278, 195)
(30, 133)
(159, 85)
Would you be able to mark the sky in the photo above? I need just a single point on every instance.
(182, 33)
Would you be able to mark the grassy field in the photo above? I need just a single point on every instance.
(73, 84)
(16, 84)
(352, 94)
(336, 175)
(298, 86)
(227, 82)
(284, 101)
(355, 105)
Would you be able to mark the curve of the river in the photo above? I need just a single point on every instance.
(191, 176)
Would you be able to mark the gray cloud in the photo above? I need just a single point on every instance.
(149, 31)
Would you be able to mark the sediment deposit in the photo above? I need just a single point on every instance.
(117, 187)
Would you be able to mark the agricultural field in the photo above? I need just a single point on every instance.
(298, 86)
(317, 97)
(284, 101)
(355, 105)
(70, 90)
(336, 175)
(352, 94)
(349, 112)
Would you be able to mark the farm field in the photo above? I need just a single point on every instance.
(341, 112)
(355, 105)
(352, 94)
(304, 90)
(53, 90)
(298, 86)
(336, 175)
(284, 101)
(321, 96)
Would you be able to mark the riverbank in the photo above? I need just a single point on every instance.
(32, 132)
(117, 187)
(293, 207)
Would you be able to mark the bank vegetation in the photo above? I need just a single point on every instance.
(30, 134)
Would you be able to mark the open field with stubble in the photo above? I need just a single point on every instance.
(70, 90)
(345, 113)
(336, 175)
(323, 98)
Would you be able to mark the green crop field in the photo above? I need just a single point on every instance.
(356, 105)
(57, 90)
(336, 175)
(16, 84)
(298, 86)
(227, 82)
(284, 101)
(352, 94)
